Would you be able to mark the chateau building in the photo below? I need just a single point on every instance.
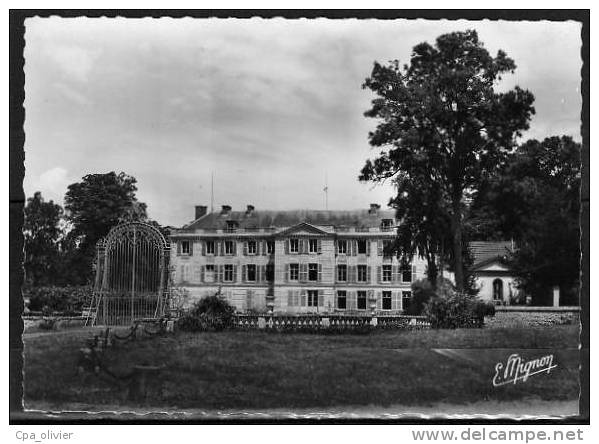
(294, 261)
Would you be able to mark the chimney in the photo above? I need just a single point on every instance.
(201, 210)
(250, 210)
(374, 208)
(226, 209)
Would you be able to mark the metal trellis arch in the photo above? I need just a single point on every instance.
(131, 275)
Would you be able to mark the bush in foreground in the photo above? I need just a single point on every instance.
(457, 310)
(208, 314)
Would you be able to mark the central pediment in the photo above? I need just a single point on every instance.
(303, 228)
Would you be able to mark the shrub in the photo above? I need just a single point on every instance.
(422, 292)
(209, 313)
(457, 311)
(69, 300)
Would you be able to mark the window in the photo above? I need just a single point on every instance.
(361, 300)
(229, 248)
(209, 247)
(341, 300)
(362, 246)
(406, 273)
(386, 300)
(252, 247)
(293, 272)
(184, 247)
(406, 299)
(269, 273)
(498, 290)
(270, 247)
(386, 248)
(342, 273)
(231, 225)
(386, 224)
(342, 247)
(251, 272)
(312, 298)
(294, 245)
(387, 273)
(313, 245)
(209, 273)
(362, 273)
(312, 272)
(228, 275)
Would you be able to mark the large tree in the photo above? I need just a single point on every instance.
(41, 229)
(92, 207)
(441, 121)
(535, 200)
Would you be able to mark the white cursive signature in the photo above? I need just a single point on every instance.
(516, 369)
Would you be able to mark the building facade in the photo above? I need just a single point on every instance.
(294, 261)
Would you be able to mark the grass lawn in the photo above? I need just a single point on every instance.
(257, 370)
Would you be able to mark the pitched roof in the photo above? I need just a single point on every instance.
(484, 252)
(280, 219)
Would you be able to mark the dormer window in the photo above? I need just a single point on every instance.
(232, 225)
(185, 247)
(386, 224)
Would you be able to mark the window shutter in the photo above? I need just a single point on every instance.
(178, 248)
(319, 272)
(354, 248)
(303, 298)
(321, 298)
(234, 248)
(219, 273)
(290, 298)
(191, 247)
(303, 272)
(203, 248)
(219, 248)
(379, 300)
(286, 271)
(263, 248)
(351, 300)
(368, 248)
(234, 273)
(379, 274)
(319, 246)
(368, 274)
(379, 247)
(245, 248)
(202, 272)
(396, 301)
(243, 273)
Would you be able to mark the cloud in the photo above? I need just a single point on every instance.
(52, 183)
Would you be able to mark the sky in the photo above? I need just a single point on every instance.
(273, 108)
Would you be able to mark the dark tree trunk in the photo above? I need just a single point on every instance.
(456, 228)
(432, 270)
